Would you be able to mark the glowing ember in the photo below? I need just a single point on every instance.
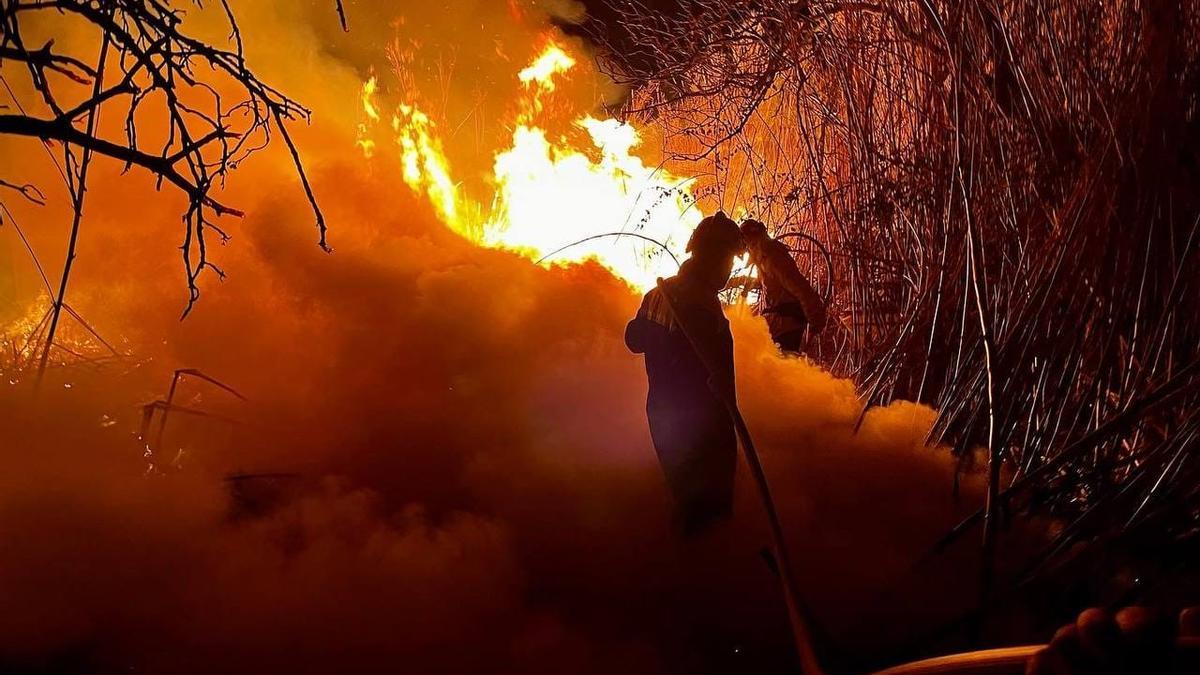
(554, 202)
(22, 339)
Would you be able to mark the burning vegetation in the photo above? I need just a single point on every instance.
(1007, 191)
(422, 441)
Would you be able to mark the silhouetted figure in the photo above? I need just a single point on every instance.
(691, 428)
(790, 305)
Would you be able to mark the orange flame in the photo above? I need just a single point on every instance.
(553, 61)
(551, 201)
(425, 166)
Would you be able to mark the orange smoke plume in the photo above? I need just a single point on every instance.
(443, 459)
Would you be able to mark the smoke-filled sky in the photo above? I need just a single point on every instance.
(467, 479)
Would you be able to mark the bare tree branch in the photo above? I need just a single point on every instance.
(1008, 194)
(28, 191)
(160, 65)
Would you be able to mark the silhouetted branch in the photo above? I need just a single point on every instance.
(159, 67)
(28, 191)
(341, 12)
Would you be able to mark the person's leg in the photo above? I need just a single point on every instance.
(697, 450)
(711, 471)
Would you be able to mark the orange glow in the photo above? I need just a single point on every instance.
(553, 61)
(368, 105)
(22, 340)
(550, 198)
(425, 166)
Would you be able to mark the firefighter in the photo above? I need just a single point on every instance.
(691, 428)
(790, 305)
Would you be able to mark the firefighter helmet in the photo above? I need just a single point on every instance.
(716, 234)
(753, 228)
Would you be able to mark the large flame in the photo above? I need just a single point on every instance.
(552, 201)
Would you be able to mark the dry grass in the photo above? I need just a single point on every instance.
(1009, 194)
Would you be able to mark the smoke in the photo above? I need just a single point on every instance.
(461, 474)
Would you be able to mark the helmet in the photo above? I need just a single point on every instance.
(716, 234)
(753, 228)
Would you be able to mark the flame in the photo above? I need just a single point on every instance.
(552, 196)
(22, 340)
(553, 61)
(368, 99)
(368, 104)
(552, 201)
(425, 166)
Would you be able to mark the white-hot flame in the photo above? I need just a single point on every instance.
(552, 201)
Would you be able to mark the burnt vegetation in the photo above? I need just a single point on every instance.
(1008, 193)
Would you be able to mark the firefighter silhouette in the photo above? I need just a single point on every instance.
(790, 305)
(692, 432)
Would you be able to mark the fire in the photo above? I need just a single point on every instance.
(551, 196)
(552, 201)
(553, 61)
(425, 166)
(368, 105)
(22, 339)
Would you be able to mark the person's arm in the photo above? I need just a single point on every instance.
(635, 331)
(779, 264)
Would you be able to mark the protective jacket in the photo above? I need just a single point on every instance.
(692, 432)
(789, 301)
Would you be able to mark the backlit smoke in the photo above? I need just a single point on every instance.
(443, 463)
